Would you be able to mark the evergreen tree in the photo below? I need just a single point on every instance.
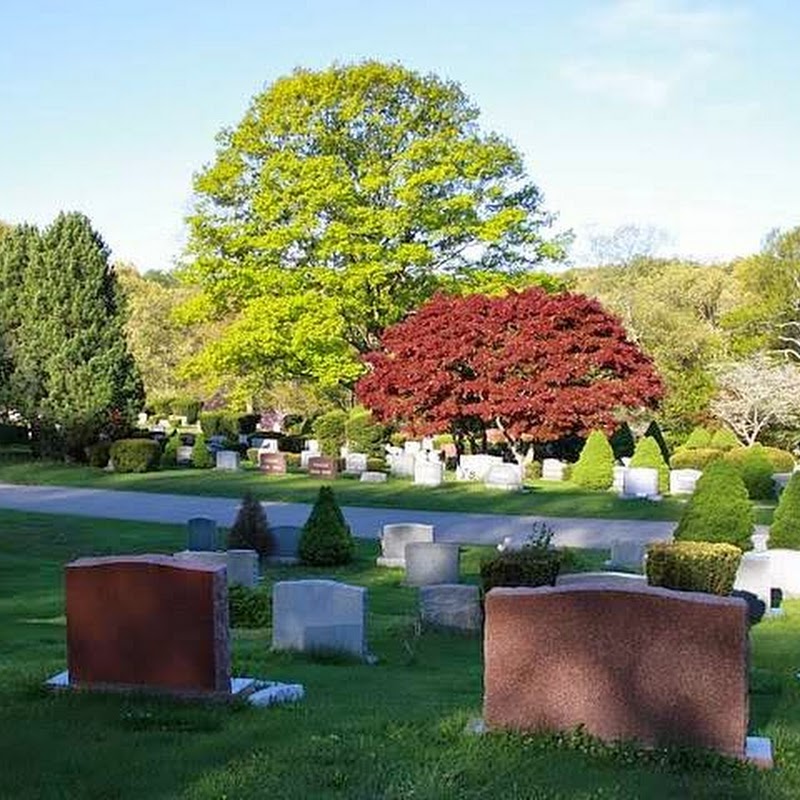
(699, 438)
(648, 454)
(595, 467)
(654, 432)
(326, 539)
(785, 528)
(74, 378)
(622, 442)
(724, 439)
(250, 529)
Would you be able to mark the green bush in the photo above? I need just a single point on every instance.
(441, 439)
(719, 510)
(329, 431)
(252, 455)
(220, 423)
(533, 470)
(169, 457)
(376, 464)
(654, 432)
(622, 442)
(160, 407)
(595, 467)
(326, 540)
(648, 454)
(249, 608)
(363, 434)
(693, 566)
(724, 439)
(698, 438)
(13, 434)
(135, 455)
(98, 454)
(201, 457)
(188, 407)
(756, 471)
(781, 460)
(698, 458)
(536, 563)
(785, 528)
(293, 461)
(250, 529)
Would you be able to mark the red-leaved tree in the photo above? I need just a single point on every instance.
(537, 366)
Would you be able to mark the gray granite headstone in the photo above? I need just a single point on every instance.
(451, 605)
(243, 568)
(429, 563)
(203, 534)
(287, 542)
(227, 460)
(396, 536)
(627, 554)
(319, 616)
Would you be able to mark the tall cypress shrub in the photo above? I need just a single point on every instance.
(785, 528)
(622, 442)
(595, 467)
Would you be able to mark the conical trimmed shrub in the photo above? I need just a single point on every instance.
(595, 467)
(169, 456)
(719, 510)
(724, 439)
(648, 454)
(326, 540)
(785, 528)
(201, 458)
(698, 438)
(250, 530)
(622, 442)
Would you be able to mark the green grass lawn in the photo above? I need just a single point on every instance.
(546, 498)
(395, 730)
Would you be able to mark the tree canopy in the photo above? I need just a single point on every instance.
(341, 201)
(538, 366)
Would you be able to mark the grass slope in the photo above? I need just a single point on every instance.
(394, 730)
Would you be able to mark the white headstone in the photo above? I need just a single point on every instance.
(504, 476)
(355, 463)
(784, 570)
(305, 456)
(141, 420)
(428, 473)
(431, 562)
(373, 477)
(619, 479)
(243, 568)
(641, 482)
(451, 605)
(319, 616)
(683, 481)
(780, 479)
(402, 465)
(412, 448)
(184, 454)
(553, 469)
(754, 575)
(476, 467)
(396, 536)
(227, 460)
(268, 446)
(312, 445)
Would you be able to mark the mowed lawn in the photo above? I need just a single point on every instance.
(545, 498)
(394, 730)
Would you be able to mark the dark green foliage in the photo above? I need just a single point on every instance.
(201, 457)
(697, 458)
(135, 455)
(622, 442)
(693, 566)
(326, 539)
(756, 608)
(756, 471)
(188, 407)
(169, 457)
(99, 454)
(648, 454)
(73, 375)
(13, 434)
(698, 438)
(785, 528)
(595, 467)
(724, 439)
(329, 430)
(249, 608)
(363, 434)
(719, 510)
(219, 423)
(536, 563)
(654, 432)
(250, 529)
(246, 423)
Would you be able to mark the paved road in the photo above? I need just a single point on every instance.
(365, 522)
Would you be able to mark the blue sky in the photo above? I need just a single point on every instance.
(680, 114)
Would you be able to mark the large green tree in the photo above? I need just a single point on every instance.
(340, 202)
(73, 375)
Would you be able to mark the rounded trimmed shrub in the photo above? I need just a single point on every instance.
(363, 433)
(724, 439)
(201, 457)
(648, 454)
(250, 529)
(622, 442)
(756, 471)
(781, 460)
(595, 467)
(719, 510)
(698, 438)
(326, 540)
(536, 563)
(329, 431)
(785, 528)
(135, 455)
(693, 566)
(699, 458)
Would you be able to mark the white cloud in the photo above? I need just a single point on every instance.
(639, 87)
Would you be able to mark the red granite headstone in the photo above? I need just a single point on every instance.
(147, 622)
(272, 463)
(322, 467)
(644, 663)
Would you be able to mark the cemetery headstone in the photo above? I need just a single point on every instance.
(268, 446)
(618, 484)
(184, 454)
(147, 622)
(640, 482)
(683, 481)
(754, 575)
(476, 467)
(227, 460)
(504, 476)
(322, 467)
(627, 554)
(203, 534)
(784, 569)
(553, 469)
(402, 465)
(659, 684)
(412, 448)
(287, 544)
(779, 480)
(312, 445)
(396, 536)
(355, 463)
(243, 568)
(428, 473)
(272, 463)
(319, 616)
(431, 562)
(373, 477)
(207, 558)
(451, 605)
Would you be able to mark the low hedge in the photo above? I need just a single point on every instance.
(708, 567)
(135, 455)
(698, 458)
(536, 563)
